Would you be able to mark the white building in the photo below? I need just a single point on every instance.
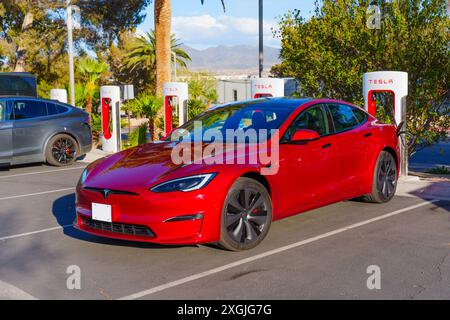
(237, 88)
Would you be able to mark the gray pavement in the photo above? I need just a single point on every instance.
(322, 253)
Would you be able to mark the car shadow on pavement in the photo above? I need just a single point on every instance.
(6, 168)
(64, 211)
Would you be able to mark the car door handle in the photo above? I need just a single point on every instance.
(367, 135)
(326, 146)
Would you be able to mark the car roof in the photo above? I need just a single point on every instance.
(290, 103)
(34, 98)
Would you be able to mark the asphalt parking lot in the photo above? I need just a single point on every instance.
(320, 254)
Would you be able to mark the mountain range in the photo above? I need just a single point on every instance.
(231, 58)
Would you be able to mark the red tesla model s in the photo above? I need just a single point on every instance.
(286, 156)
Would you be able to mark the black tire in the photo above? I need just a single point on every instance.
(62, 150)
(246, 215)
(384, 179)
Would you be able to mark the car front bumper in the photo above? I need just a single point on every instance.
(164, 218)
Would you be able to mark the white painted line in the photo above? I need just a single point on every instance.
(36, 194)
(268, 253)
(39, 172)
(34, 232)
(10, 292)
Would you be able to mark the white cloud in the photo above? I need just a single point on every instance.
(205, 30)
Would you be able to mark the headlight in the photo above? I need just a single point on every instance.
(84, 176)
(185, 184)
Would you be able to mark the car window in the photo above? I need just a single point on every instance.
(53, 108)
(343, 117)
(360, 115)
(314, 118)
(234, 117)
(27, 109)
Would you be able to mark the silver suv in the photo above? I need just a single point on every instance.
(37, 130)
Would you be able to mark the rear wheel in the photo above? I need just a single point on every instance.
(246, 215)
(62, 150)
(384, 179)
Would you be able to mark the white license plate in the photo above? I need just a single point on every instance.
(101, 212)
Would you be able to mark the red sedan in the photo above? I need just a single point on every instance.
(295, 155)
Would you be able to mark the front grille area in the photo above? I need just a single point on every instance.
(120, 228)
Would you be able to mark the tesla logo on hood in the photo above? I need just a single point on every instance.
(106, 193)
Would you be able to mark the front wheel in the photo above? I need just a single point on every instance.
(246, 215)
(384, 179)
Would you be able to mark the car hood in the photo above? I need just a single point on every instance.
(140, 167)
(134, 169)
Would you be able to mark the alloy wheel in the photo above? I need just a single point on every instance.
(246, 215)
(63, 150)
(387, 176)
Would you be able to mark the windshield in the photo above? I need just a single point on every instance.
(228, 121)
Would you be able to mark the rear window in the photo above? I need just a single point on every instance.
(53, 108)
(343, 117)
(360, 115)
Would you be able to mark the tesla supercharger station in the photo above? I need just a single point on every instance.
(110, 111)
(59, 95)
(396, 84)
(175, 103)
(266, 87)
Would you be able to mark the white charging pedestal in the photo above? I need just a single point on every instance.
(266, 87)
(396, 83)
(59, 95)
(110, 113)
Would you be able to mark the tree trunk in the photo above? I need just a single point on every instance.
(163, 18)
(21, 51)
(89, 104)
(151, 128)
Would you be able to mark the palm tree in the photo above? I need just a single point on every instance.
(143, 54)
(91, 70)
(163, 24)
(223, 3)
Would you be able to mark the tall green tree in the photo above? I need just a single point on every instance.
(329, 52)
(33, 32)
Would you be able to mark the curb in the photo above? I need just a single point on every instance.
(423, 175)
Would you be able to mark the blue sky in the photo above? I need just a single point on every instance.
(206, 26)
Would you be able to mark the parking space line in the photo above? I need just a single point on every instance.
(35, 232)
(39, 172)
(37, 193)
(268, 253)
(10, 292)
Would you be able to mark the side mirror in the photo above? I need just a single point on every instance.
(400, 129)
(305, 135)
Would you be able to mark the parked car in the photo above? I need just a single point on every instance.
(329, 151)
(37, 130)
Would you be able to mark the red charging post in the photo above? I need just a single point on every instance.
(106, 118)
(262, 95)
(168, 110)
